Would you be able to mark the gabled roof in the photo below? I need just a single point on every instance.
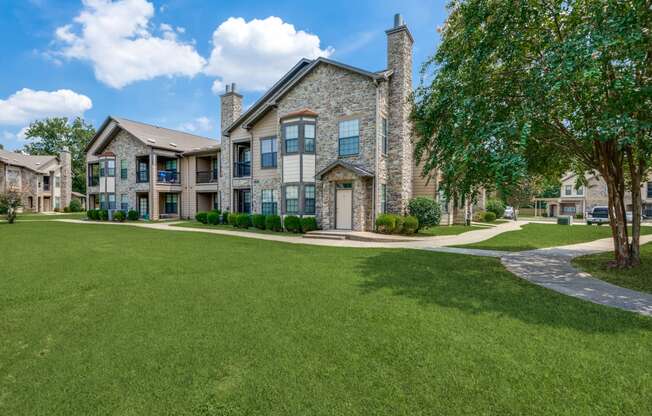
(348, 166)
(289, 80)
(35, 163)
(154, 136)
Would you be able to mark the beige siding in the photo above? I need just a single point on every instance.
(291, 169)
(422, 186)
(268, 126)
(308, 168)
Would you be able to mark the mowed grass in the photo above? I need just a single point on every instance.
(534, 236)
(48, 217)
(448, 230)
(638, 278)
(226, 227)
(100, 319)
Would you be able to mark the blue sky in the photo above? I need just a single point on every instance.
(165, 62)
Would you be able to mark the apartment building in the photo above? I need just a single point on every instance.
(45, 182)
(160, 173)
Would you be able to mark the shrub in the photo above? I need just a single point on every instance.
(427, 211)
(91, 214)
(496, 206)
(489, 216)
(292, 223)
(57, 210)
(232, 219)
(212, 218)
(308, 224)
(259, 221)
(410, 224)
(75, 206)
(66, 209)
(398, 229)
(386, 223)
(225, 217)
(132, 215)
(102, 215)
(119, 216)
(202, 217)
(243, 221)
(273, 222)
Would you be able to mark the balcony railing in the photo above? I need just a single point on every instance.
(168, 176)
(208, 176)
(142, 176)
(242, 169)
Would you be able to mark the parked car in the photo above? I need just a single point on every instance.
(598, 215)
(509, 213)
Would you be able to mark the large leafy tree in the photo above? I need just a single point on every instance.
(51, 135)
(521, 87)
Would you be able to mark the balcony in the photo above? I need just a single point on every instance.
(169, 177)
(46, 187)
(209, 176)
(142, 176)
(241, 169)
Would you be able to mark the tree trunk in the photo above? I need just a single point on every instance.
(636, 172)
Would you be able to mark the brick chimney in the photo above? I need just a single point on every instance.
(399, 60)
(66, 177)
(231, 105)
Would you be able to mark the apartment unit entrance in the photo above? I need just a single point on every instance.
(242, 200)
(142, 205)
(344, 206)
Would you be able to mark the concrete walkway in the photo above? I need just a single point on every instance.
(548, 267)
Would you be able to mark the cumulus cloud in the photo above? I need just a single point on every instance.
(117, 39)
(26, 105)
(200, 124)
(255, 54)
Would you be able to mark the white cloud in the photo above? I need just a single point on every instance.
(115, 37)
(255, 54)
(200, 124)
(27, 105)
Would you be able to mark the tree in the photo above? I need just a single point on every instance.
(2, 146)
(528, 87)
(52, 135)
(10, 201)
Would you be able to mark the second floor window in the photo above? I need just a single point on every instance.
(292, 199)
(216, 168)
(269, 202)
(383, 133)
(123, 169)
(57, 181)
(291, 139)
(309, 199)
(568, 190)
(309, 138)
(268, 153)
(110, 168)
(171, 165)
(649, 189)
(349, 137)
(143, 174)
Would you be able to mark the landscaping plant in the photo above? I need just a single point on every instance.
(75, 206)
(103, 215)
(426, 210)
(10, 201)
(292, 224)
(212, 218)
(496, 206)
(386, 223)
(132, 215)
(489, 216)
(259, 221)
(202, 217)
(119, 216)
(243, 220)
(273, 222)
(232, 219)
(308, 224)
(410, 225)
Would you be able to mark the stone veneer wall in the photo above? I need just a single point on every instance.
(362, 208)
(29, 185)
(230, 110)
(125, 146)
(2, 177)
(65, 163)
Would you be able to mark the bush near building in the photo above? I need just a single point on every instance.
(426, 210)
(496, 206)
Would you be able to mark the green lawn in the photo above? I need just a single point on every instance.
(129, 321)
(448, 230)
(533, 236)
(226, 227)
(639, 278)
(49, 217)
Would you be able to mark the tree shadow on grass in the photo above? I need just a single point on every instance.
(476, 285)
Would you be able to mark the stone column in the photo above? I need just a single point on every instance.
(66, 177)
(231, 109)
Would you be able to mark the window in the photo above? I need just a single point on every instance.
(309, 199)
(110, 168)
(171, 164)
(102, 201)
(143, 172)
(649, 189)
(216, 202)
(291, 139)
(124, 202)
(383, 198)
(57, 181)
(309, 138)
(580, 190)
(123, 169)
(569, 209)
(383, 133)
(292, 199)
(349, 138)
(568, 190)
(269, 202)
(93, 174)
(102, 170)
(111, 201)
(171, 203)
(216, 168)
(268, 153)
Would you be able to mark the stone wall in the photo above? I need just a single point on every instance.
(2, 177)
(127, 147)
(29, 188)
(362, 199)
(230, 110)
(65, 164)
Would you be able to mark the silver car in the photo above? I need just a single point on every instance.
(598, 215)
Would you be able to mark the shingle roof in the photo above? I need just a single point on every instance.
(35, 163)
(353, 168)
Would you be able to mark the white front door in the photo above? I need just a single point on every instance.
(344, 209)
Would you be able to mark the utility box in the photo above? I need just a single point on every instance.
(565, 220)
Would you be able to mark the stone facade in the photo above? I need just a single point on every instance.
(230, 109)
(65, 161)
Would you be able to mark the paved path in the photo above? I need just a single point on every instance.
(548, 267)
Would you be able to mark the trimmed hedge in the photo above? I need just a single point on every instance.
(386, 223)
(489, 216)
(119, 216)
(202, 217)
(410, 224)
(212, 218)
(66, 209)
(399, 224)
(91, 214)
(102, 215)
(225, 217)
(232, 219)
(426, 210)
(292, 223)
(308, 224)
(273, 222)
(259, 221)
(132, 215)
(75, 206)
(243, 220)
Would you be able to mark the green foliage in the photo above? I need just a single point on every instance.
(102, 215)
(243, 220)
(308, 224)
(410, 225)
(10, 201)
(75, 206)
(119, 216)
(91, 214)
(489, 216)
(212, 218)
(66, 209)
(132, 215)
(292, 224)
(51, 135)
(225, 217)
(496, 206)
(273, 222)
(426, 210)
(398, 229)
(259, 221)
(232, 219)
(386, 223)
(202, 217)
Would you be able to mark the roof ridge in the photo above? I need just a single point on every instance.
(161, 127)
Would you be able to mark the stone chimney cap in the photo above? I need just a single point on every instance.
(399, 26)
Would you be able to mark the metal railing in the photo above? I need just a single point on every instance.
(168, 176)
(241, 169)
(207, 176)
